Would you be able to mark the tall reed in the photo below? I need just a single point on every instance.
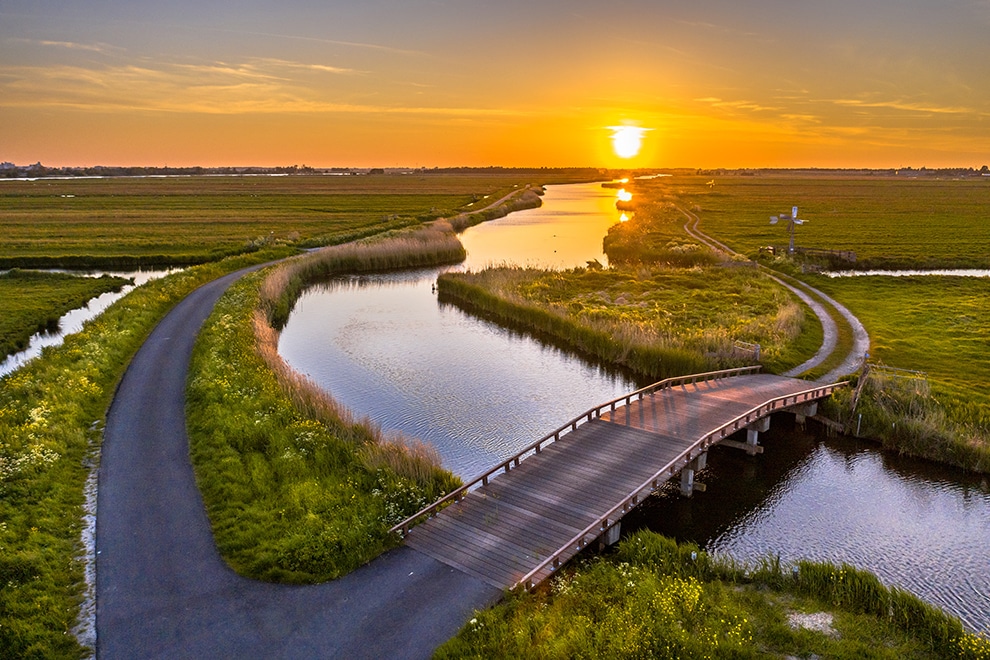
(429, 245)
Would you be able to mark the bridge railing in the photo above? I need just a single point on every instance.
(596, 528)
(535, 448)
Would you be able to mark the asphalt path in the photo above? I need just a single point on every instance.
(852, 361)
(162, 589)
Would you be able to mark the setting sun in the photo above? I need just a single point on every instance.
(627, 140)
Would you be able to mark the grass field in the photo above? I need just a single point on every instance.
(889, 222)
(34, 302)
(938, 325)
(128, 221)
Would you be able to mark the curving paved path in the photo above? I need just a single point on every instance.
(861, 339)
(164, 592)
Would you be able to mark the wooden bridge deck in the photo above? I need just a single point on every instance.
(526, 517)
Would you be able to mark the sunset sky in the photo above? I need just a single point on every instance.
(714, 83)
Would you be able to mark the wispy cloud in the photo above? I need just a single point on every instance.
(254, 86)
(741, 105)
(101, 48)
(913, 107)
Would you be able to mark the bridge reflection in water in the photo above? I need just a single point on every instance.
(514, 525)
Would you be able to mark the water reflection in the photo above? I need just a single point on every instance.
(567, 231)
(918, 526)
(478, 392)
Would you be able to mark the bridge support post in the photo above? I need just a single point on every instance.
(753, 435)
(803, 412)
(610, 536)
(687, 482)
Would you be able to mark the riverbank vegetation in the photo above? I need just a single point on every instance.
(51, 414)
(130, 222)
(658, 322)
(34, 302)
(296, 488)
(935, 333)
(657, 599)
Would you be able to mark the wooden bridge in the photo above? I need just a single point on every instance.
(514, 525)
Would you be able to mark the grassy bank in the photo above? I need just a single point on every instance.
(296, 488)
(34, 302)
(51, 412)
(657, 599)
(658, 322)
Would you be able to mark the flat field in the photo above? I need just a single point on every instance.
(888, 221)
(78, 222)
(34, 301)
(938, 325)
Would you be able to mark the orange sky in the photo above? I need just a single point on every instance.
(883, 83)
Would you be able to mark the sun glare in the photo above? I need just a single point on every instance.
(627, 140)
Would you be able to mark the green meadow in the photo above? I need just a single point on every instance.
(308, 493)
(34, 302)
(183, 220)
(888, 221)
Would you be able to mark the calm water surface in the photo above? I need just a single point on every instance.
(386, 348)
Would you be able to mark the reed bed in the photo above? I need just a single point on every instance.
(907, 416)
(658, 322)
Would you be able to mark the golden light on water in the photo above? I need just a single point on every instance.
(623, 218)
(627, 140)
(624, 195)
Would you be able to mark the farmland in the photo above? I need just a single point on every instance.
(181, 220)
(33, 302)
(889, 222)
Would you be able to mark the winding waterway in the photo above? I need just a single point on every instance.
(386, 348)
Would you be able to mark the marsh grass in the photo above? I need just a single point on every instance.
(907, 417)
(658, 322)
(938, 325)
(35, 301)
(51, 411)
(656, 598)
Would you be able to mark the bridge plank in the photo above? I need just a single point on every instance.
(503, 530)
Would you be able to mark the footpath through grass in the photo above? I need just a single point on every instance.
(656, 599)
(35, 301)
(51, 412)
(889, 222)
(938, 325)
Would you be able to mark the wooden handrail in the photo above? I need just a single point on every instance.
(536, 447)
(595, 529)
